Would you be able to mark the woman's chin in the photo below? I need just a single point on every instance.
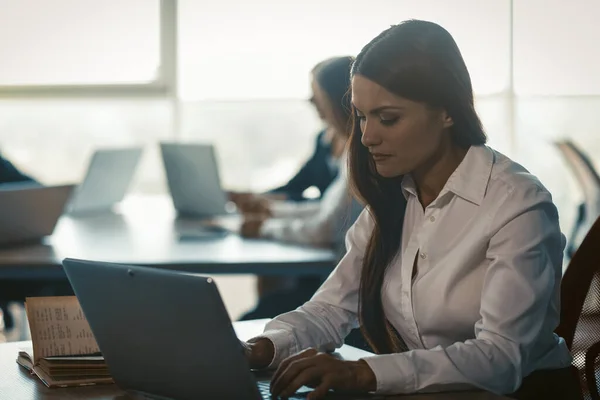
(387, 172)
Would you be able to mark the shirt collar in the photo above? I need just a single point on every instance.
(469, 180)
(408, 186)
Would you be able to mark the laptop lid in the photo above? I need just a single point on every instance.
(193, 179)
(162, 333)
(30, 212)
(108, 177)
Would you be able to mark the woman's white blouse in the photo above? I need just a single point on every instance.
(484, 302)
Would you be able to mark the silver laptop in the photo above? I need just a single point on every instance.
(108, 177)
(164, 334)
(30, 212)
(193, 179)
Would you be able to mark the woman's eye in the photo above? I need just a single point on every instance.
(388, 121)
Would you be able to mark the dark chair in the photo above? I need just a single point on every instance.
(580, 311)
(589, 182)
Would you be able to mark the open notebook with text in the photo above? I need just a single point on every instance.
(64, 351)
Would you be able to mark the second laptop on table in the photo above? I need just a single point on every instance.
(108, 177)
(193, 179)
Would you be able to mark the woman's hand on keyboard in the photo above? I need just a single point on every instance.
(322, 372)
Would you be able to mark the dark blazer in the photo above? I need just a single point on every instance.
(10, 174)
(317, 171)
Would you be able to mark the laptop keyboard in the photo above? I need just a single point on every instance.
(264, 389)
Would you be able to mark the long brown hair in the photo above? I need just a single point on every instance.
(333, 77)
(420, 61)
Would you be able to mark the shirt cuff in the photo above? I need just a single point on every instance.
(270, 228)
(395, 373)
(283, 343)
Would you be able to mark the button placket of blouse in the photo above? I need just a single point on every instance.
(425, 232)
(422, 263)
(408, 264)
(393, 275)
(408, 260)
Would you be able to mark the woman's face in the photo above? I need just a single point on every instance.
(321, 102)
(401, 135)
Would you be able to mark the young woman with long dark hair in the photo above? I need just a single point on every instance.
(453, 270)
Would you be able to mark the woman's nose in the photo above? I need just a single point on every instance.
(369, 134)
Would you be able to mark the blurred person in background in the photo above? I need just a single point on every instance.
(11, 290)
(285, 215)
(9, 174)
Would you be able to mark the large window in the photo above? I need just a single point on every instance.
(244, 71)
(557, 47)
(235, 73)
(233, 49)
(79, 50)
(79, 42)
(557, 90)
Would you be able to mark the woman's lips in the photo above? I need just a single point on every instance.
(380, 156)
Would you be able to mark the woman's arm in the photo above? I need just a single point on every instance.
(521, 280)
(328, 317)
(291, 209)
(312, 224)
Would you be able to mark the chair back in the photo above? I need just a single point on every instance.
(580, 311)
(589, 182)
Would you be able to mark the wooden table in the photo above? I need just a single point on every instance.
(145, 231)
(16, 383)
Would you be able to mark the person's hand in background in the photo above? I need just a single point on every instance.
(249, 203)
(252, 225)
(258, 205)
(237, 197)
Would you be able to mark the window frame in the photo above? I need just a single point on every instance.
(164, 86)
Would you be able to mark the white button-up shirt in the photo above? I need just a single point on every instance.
(484, 301)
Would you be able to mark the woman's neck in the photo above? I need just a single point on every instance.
(431, 177)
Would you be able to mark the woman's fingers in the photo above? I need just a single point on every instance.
(304, 377)
(321, 390)
(285, 363)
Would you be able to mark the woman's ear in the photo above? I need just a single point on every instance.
(447, 119)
